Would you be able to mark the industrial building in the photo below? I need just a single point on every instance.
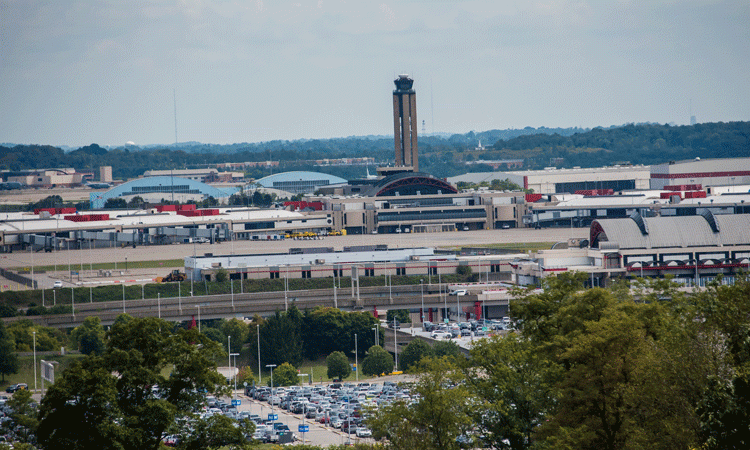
(203, 175)
(355, 261)
(299, 182)
(158, 188)
(47, 178)
(554, 181)
(706, 172)
(693, 249)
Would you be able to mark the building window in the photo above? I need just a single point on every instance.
(433, 270)
(306, 274)
(338, 273)
(369, 271)
(273, 275)
(400, 271)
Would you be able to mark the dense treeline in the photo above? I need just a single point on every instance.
(636, 144)
(440, 156)
(615, 369)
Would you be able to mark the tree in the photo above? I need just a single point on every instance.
(449, 349)
(23, 413)
(110, 399)
(724, 409)
(8, 356)
(238, 330)
(413, 353)
(511, 383)
(401, 315)
(115, 203)
(377, 361)
(89, 336)
(281, 338)
(136, 202)
(338, 366)
(324, 331)
(218, 431)
(285, 375)
(435, 420)
(222, 275)
(7, 310)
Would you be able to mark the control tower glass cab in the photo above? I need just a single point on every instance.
(405, 123)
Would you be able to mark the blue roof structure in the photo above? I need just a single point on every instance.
(299, 182)
(164, 184)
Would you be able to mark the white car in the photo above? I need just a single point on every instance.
(439, 335)
(58, 284)
(363, 432)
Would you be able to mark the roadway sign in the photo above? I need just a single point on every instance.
(303, 428)
(273, 417)
(445, 320)
(236, 402)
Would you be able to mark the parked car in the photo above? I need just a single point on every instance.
(363, 432)
(16, 387)
(58, 284)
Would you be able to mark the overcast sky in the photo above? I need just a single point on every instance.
(79, 72)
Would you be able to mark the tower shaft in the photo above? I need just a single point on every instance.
(405, 123)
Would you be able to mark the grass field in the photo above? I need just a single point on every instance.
(25, 372)
(318, 369)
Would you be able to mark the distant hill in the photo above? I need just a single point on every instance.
(440, 155)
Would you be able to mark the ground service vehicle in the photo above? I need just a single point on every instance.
(175, 275)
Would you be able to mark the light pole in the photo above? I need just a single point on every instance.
(356, 357)
(158, 303)
(260, 375)
(199, 317)
(286, 287)
(395, 342)
(229, 356)
(421, 285)
(123, 298)
(304, 414)
(376, 328)
(335, 300)
(271, 366)
(234, 372)
(34, 335)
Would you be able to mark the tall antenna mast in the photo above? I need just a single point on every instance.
(432, 109)
(174, 98)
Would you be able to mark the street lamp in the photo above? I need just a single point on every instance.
(271, 366)
(376, 329)
(34, 335)
(229, 355)
(199, 317)
(356, 357)
(395, 342)
(234, 371)
(260, 375)
(421, 285)
(304, 414)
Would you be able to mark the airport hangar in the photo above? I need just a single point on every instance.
(154, 189)
(694, 249)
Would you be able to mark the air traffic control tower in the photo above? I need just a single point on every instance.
(405, 124)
